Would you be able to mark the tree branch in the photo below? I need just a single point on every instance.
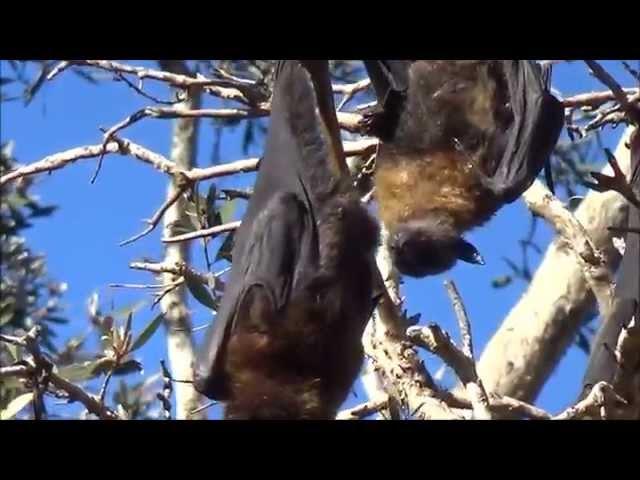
(533, 337)
(41, 362)
(207, 232)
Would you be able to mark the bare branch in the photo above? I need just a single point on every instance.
(534, 336)
(542, 202)
(617, 183)
(350, 90)
(439, 343)
(126, 147)
(14, 371)
(501, 407)
(153, 222)
(239, 166)
(600, 399)
(41, 362)
(394, 361)
(604, 76)
(207, 232)
(596, 99)
(362, 411)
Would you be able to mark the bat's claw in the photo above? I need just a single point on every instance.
(372, 122)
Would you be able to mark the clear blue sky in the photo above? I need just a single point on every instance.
(81, 239)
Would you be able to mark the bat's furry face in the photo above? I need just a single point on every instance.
(426, 202)
(422, 248)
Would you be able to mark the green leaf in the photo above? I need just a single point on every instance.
(43, 211)
(180, 227)
(212, 195)
(60, 320)
(225, 250)
(5, 317)
(16, 405)
(199, 290)
(127, 327)
(127, 367)
(227, 210)
(501, 282)
(79, 372)
(13, 351)
(147, 333)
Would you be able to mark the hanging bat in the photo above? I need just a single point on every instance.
(459, 139)
(602, 364)
(286, 343)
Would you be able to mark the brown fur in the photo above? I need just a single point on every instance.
(438, 184)
(300, 363)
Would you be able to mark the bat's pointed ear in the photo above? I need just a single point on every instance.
(468, 253)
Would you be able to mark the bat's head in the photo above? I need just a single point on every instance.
(422, 248)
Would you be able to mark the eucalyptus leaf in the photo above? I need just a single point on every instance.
(16, 405)
(79, 372)
(5, 317)
(14, 351)
(147, 332)
(180, 227)
(225, 250)
(227, 210)
(502, 281)
(200, 291)
(59, 320)
(127, 367)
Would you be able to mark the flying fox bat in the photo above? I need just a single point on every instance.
(459, 139)
(286, 343)
(602, 364)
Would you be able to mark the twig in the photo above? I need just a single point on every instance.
(193, 329)
(617, 183)
(207, 232)
(164, 293)
(436, 341)
(136, 285)
(350, 90)
(595, 99)
(601, 397)
(153, 222)
(138, 89)
(177, 269)
(177, 80)
(364, 410)
(74, 392)
(103, 390)
(475, 389)
(395, 363)
(461, 360)
(365, 146)
(604, 76)
(14, 371)
(501, 406)
(239, 166)
(544, 204)
(126, 147)
(463, 319)
(202, 408)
